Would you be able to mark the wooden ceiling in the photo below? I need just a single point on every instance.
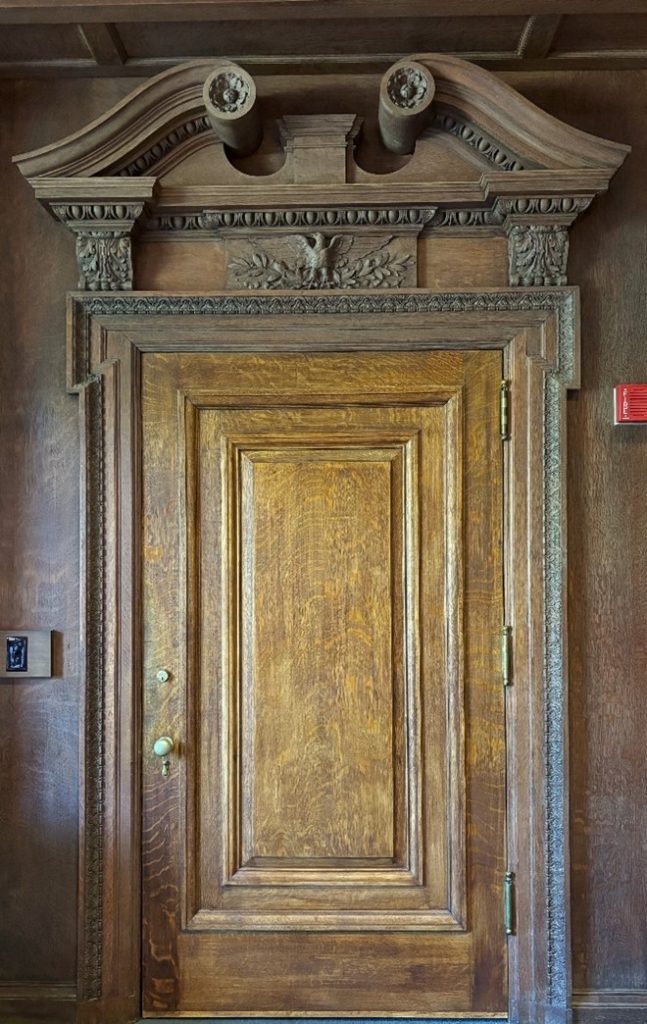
(109, 37)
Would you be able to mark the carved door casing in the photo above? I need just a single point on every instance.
(322, 582)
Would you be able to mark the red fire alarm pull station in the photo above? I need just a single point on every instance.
(630, 403)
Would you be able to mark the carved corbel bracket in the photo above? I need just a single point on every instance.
(537, 255)
(102, 214)
(537, 233)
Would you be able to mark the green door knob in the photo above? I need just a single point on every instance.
(163, 746)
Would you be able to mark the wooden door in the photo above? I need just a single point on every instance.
(322, 584)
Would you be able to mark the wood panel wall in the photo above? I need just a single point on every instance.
(608, 548)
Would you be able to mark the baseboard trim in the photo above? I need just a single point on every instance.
(32, 1004)
(610, 1006)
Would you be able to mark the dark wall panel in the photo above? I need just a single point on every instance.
(607, 479)
(39, 545)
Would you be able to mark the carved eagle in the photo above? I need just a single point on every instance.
(319, 256)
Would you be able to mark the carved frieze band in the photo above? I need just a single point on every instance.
(562, 209)
(416, 217)
(536, 229)
(321, 261)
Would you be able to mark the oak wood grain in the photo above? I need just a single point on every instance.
(328, 776)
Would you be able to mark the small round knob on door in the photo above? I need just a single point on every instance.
(163, 746)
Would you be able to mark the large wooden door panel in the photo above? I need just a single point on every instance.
(322, 577)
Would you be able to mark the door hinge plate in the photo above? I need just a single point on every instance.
(506, 655)
(508, 903)
(504, 410)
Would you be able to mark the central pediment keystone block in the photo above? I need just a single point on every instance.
(319, 148)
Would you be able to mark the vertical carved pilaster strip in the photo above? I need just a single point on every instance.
(90, 973)
(555, 707)
(78, 345)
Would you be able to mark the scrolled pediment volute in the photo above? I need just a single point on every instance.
(436, 147)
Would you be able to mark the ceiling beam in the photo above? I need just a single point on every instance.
(110, 11)
(377, 64)
(104, 43)
(538, 35)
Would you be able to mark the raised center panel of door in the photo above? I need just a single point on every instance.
(322, 584)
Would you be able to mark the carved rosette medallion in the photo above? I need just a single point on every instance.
(229, 92)
(407, 86)
(321, 261)
(229, 96)
(406, 93)
(537, 254)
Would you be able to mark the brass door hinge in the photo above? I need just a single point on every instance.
(506, 659)
(504, 410)
(508, 903)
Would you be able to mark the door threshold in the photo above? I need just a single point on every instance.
(446, 1018)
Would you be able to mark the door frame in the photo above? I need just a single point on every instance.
(537, 331)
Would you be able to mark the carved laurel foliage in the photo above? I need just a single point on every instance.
(322, 264)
